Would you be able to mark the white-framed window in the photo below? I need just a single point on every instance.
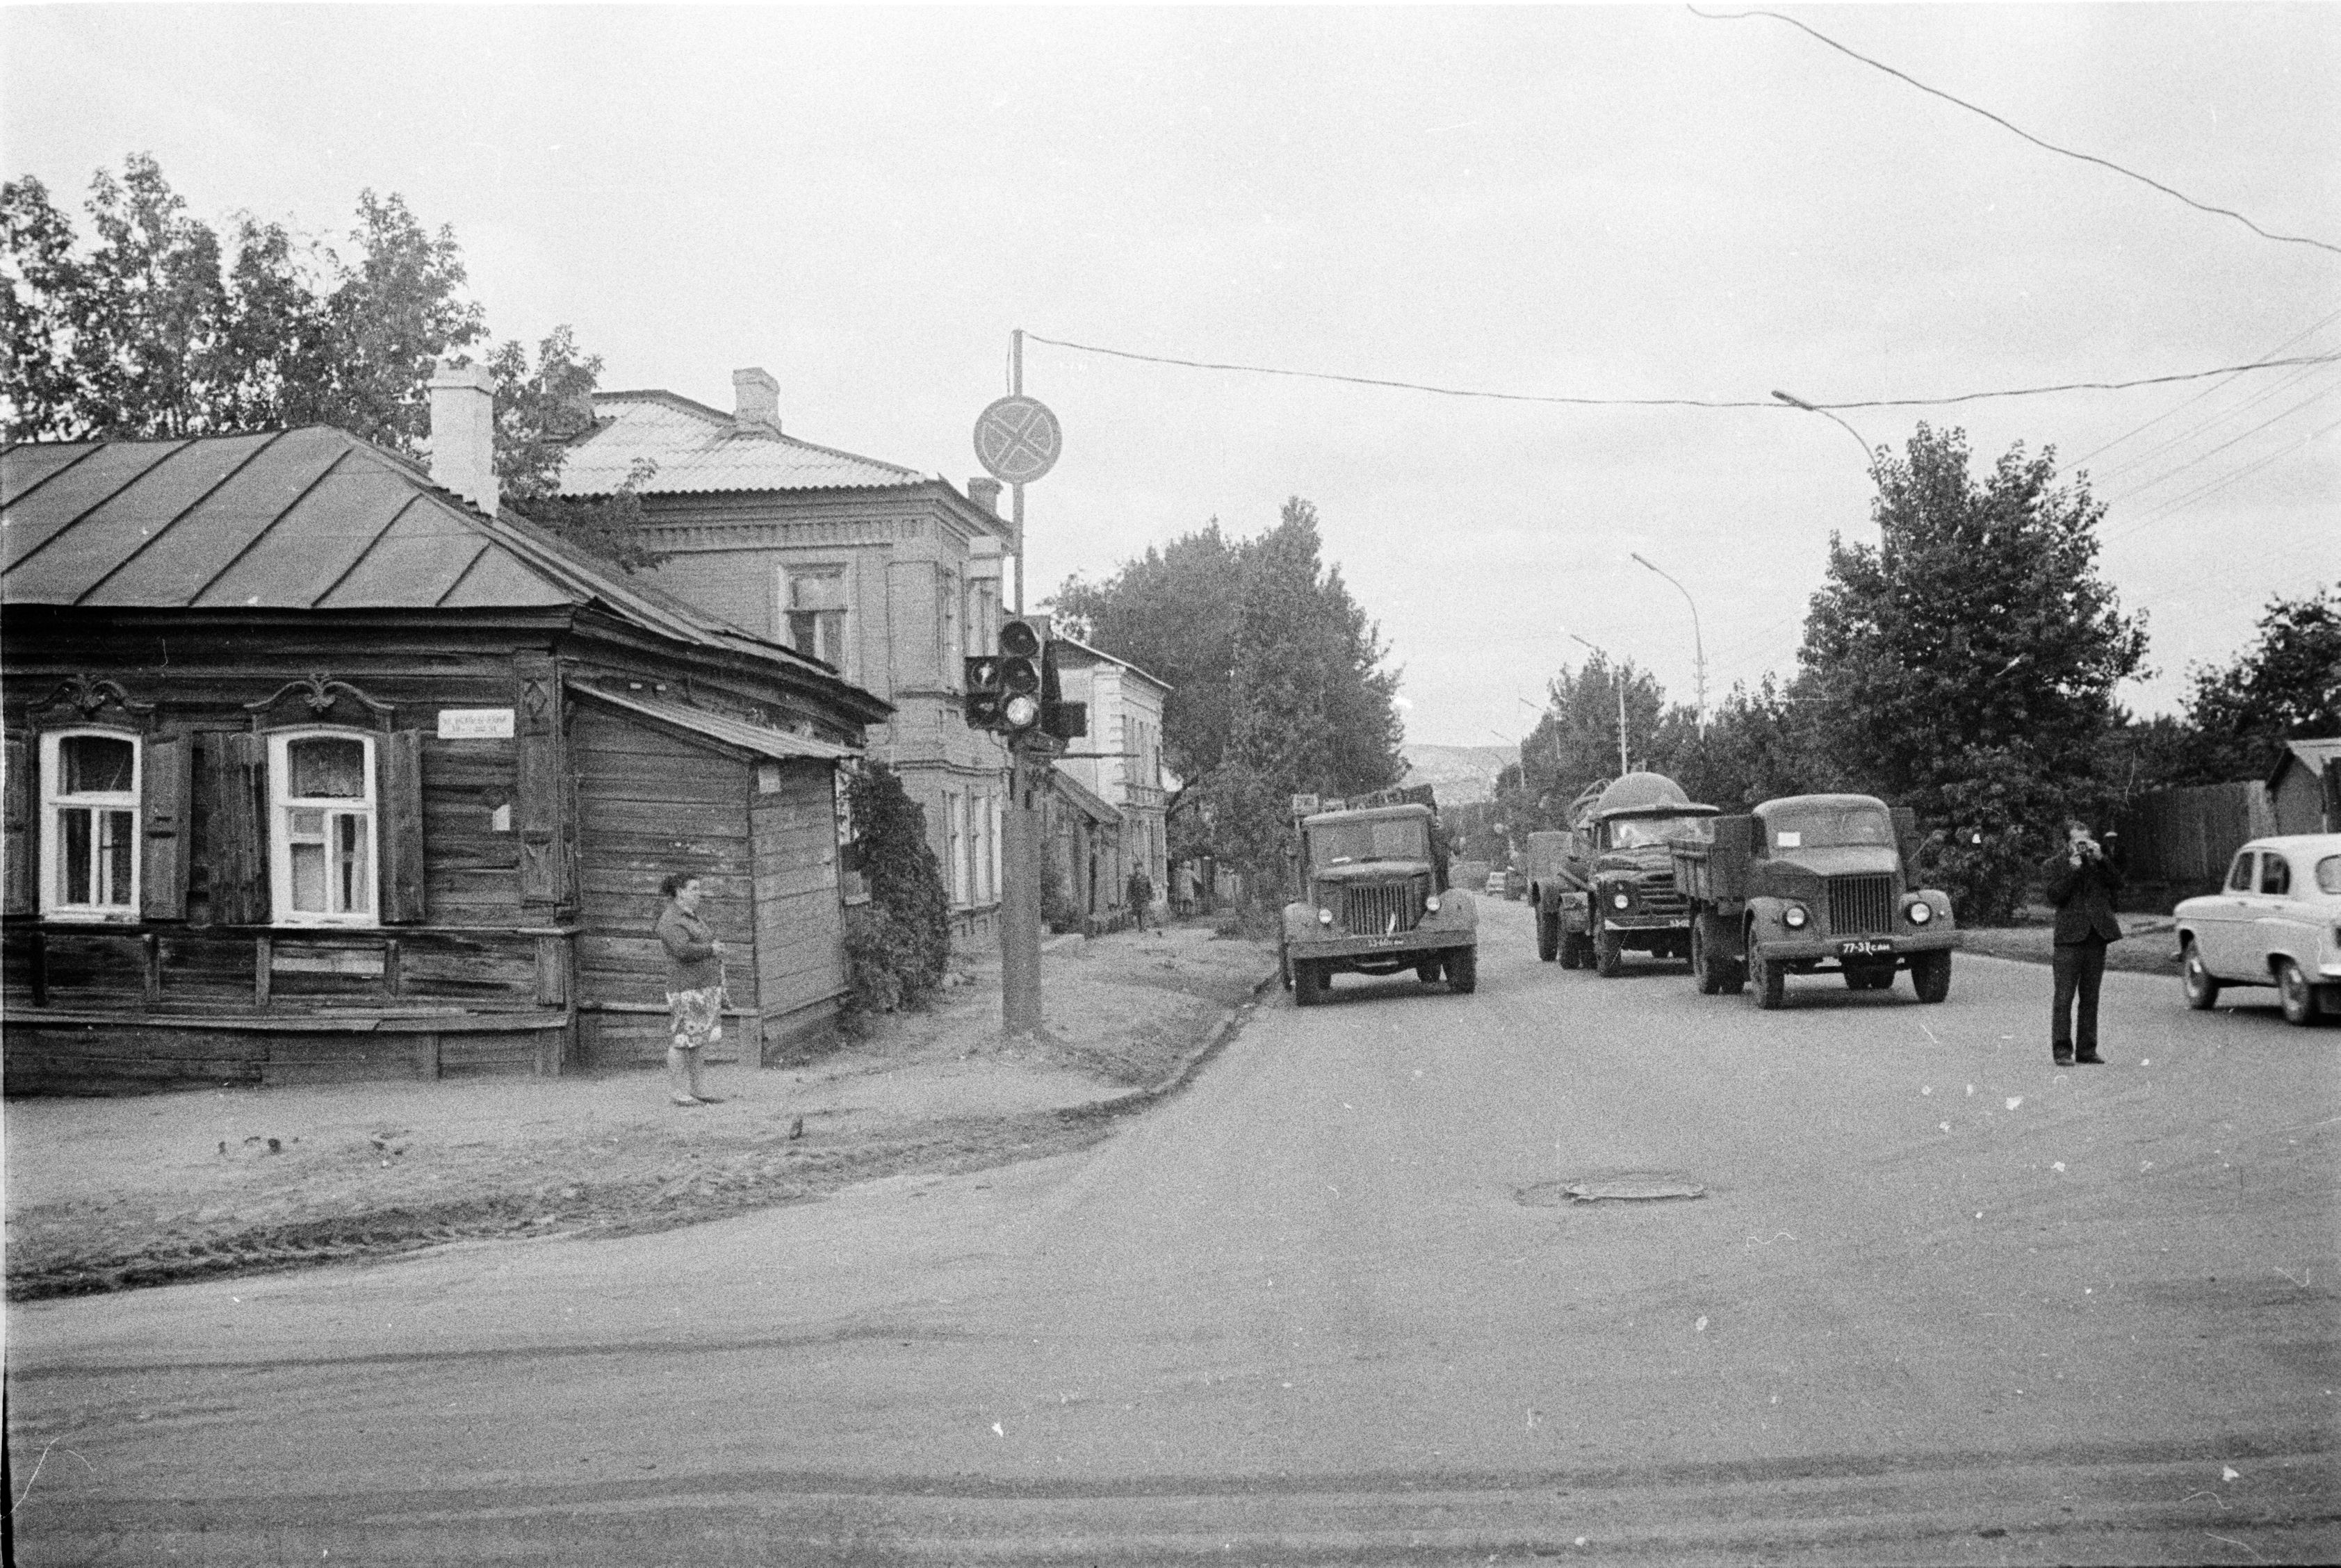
(955, 833)
(815, 614)
(323, 839)
(89, 825)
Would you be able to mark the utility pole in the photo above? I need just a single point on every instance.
(1016, 490)
(1697, 642)
(1020, 848)
(1616, 679)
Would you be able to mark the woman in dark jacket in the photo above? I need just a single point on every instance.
(694, 988)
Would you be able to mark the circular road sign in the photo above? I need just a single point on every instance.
(1017, 439)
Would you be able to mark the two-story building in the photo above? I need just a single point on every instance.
(1117, 768)
(886, 575)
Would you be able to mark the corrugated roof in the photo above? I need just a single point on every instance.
(696, 448)
(760, 739)
(307, 519)
(1111, 659)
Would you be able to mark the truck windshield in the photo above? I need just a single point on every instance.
(1653, 832)
(1831, 828)
(1342, 843)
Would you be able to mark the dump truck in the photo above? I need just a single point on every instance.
(1370, 898)
(1813, 884)
(1608, 887)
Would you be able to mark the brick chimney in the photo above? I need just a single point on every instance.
(463, 433)
(985, 493)
(755, 402)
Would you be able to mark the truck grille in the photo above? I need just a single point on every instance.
(1368, 911)
(1860, 904)
(1660, 896)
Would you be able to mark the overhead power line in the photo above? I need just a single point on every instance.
(2018, 130)
(2175, 408)
(1589, 402)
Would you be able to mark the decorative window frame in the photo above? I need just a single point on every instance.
(282, 804)
(51, 863)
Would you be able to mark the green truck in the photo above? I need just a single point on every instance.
(1813, 884)
(1369, 899)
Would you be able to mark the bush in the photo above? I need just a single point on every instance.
(896, 944)
(1251, 921)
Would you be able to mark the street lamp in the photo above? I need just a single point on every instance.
(1698, 645)
(1793, 401)
(1618, 679)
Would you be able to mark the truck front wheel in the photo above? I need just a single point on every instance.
(1547, 937)
(1770, 979)
(1462, 965)
(1930, 975)
(1609, 953)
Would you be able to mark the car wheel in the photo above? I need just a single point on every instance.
(1547, 936)
(2202, 991)
(1770, 979)
(1462, 965)
(1930, 976)
(2293, 989)
(1609, 954)
(1308, 983)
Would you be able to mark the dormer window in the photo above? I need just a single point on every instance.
(89, 825)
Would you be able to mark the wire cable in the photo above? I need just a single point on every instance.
(2189, 403)
(2018, 130)
(1808, 404)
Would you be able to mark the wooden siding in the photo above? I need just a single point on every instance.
(649, 804)
(799, 922)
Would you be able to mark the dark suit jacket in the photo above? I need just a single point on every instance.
(2084, 897)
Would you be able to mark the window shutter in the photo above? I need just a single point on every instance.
(17, 782)
(237, 832)
(167, 789)
(398, 797)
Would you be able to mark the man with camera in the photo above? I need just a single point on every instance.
(2081, 883)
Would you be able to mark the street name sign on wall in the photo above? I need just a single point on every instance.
(1017, 439)
(475, 723)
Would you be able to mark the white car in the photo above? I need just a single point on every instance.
(2278, 922)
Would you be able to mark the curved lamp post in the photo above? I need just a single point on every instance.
(1699, 643)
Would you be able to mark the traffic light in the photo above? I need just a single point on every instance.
(1023, 654)
(983, 690)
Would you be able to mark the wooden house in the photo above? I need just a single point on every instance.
(2305, 787)
(316, 769)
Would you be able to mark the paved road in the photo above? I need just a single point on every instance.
(1940, 1304)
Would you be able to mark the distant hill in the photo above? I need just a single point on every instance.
(1459, 773)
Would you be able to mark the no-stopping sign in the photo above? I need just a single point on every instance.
(1017, 440)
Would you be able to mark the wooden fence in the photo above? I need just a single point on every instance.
(2177, 842)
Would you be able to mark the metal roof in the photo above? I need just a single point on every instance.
(307, 519)
(696, 449)
(1096, 653)
(1091, 804)
(760, 739)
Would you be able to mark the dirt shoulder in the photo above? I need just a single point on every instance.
(106, 1194)
(2149, 943)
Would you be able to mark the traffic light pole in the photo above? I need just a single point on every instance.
(1021, 846)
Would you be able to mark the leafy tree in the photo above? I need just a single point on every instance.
(43, 280)
(1575, 742)
(2288, 686)
(898, 943)
(1756, 746)
(1966, 664)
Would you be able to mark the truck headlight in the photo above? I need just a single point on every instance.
(1920, 913)
(1324, 917)
(1430, 904)
(1794, 917)
(1619, 901)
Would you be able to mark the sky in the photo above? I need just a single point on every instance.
(1602, 202)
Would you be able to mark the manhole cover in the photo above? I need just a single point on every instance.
(1639, 1187)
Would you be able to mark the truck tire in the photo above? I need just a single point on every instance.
(1705, 966)
(1310, 983)
(1609, 953)
(1463, 966)
(1930, 976)
(1547, 937)
(1770, 981)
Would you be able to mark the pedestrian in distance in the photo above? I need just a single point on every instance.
(2081, 883)
(694, 988)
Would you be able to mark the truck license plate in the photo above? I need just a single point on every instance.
(1863, 949)
(1384, 940)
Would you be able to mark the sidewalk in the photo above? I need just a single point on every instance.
(2149, 943)
(107, 1193)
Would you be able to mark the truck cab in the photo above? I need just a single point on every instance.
(1368, 900)
(1608, 887)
